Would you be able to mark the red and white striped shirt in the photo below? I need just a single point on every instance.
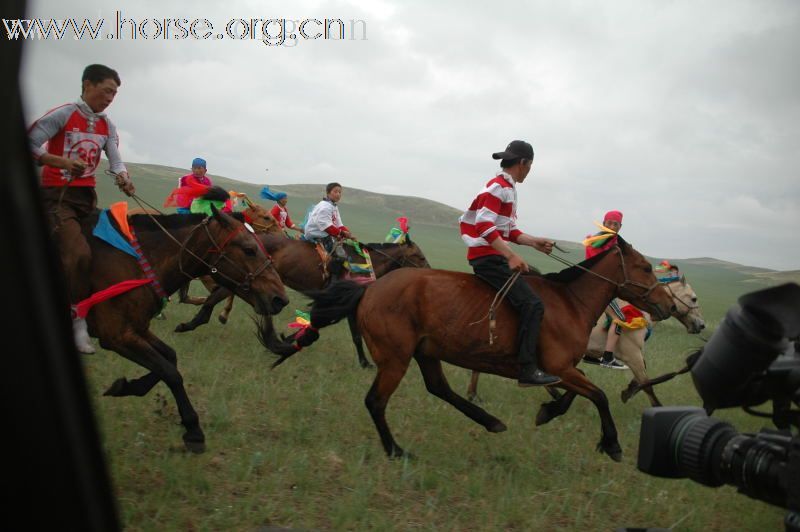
(491, 215)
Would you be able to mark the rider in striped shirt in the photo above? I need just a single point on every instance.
(486, 227)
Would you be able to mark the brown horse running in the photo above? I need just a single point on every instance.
(438, 315)
(176, 246)
(300, 268)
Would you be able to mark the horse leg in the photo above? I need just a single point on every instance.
(472, 389)
(357, 341)
(204, 314)
(184, 297)
(140, 387)
(138, 349)
(633, 357)
(573, 380)
(386, 381)
(555, 408)
(226, 310)
(437, 384)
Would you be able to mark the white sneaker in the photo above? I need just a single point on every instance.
(83, 343)
(613, 364)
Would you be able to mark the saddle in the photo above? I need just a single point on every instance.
(347, 260)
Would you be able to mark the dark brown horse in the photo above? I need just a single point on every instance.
(440, 316)
(176, 246)
(300, 268)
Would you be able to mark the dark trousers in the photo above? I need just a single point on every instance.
(66, 209)
(494, 270)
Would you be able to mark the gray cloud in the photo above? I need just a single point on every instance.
(683, 115)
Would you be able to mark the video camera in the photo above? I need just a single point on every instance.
(753, 357)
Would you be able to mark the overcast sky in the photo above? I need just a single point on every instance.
(683, 115)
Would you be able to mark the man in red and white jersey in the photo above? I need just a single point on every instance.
(75, 134)
(486, 227)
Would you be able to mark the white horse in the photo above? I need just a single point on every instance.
(630, 347)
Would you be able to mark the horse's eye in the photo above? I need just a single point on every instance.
(250, 252)
(648, 269)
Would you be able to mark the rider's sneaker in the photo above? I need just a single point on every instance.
(613, 364)
(533, 376)
(591, 360)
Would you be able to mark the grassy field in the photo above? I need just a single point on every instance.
(295, 447)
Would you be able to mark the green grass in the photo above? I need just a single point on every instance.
(295, 446)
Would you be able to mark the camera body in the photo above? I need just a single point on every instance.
(752, 358)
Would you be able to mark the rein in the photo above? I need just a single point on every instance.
(498, 298)
(216, 248)
(620, 286)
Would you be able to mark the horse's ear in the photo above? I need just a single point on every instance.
(683, 280)
(223, 221)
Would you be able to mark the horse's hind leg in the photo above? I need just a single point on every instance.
(226, 310)
(140, 350)
(357, 341)
(574, 380)
(437, 384)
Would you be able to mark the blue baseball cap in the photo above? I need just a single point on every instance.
(197, 161)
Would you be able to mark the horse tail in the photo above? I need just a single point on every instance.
(338, 301)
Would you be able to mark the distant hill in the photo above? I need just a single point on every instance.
(434, 227)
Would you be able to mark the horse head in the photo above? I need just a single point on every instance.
(412, 255)
(261, 219)
(687, 310)
(639, 285)
(243, 265)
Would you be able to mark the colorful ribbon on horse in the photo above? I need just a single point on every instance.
(82, 308)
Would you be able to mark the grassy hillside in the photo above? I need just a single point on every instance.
(435, 227)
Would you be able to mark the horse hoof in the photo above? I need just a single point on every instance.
(543, 416)
(117, 388)
(367, 365)
(182, 327)
(625, 396)
(222, 319)
(499, 426)
(195, 447)
(613, 450)
(398, 452)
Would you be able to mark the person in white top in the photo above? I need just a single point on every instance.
(324, 222)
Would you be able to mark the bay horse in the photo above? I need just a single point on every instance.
(435, 316)
(630, 347)
(300, 268)
(176, 246)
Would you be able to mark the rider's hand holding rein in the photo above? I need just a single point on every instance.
(515, 262)
(123, 181)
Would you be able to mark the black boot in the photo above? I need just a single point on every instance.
(531, 375)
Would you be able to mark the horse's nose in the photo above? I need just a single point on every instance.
(702, 325)
(673, 309)
(278, 303)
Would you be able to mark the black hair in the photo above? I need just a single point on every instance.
(508, 163)
(331, 186)
(98, 73)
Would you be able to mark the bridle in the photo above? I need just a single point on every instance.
(242, 286)
(402, 262)
(218, 249)
(624, 285)
(675, 297)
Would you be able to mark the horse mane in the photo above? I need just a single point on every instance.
(572, 273)
(381, 245)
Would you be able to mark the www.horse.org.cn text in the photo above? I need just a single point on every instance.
(269, 31)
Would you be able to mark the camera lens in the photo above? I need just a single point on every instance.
(697, 442)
